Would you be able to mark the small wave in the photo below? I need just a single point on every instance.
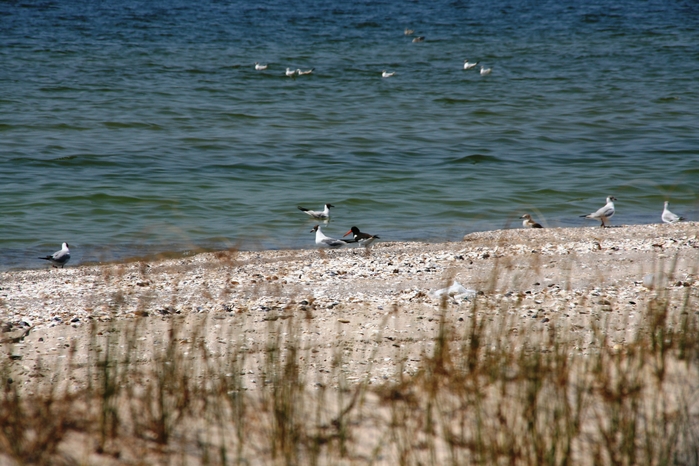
(131, 124)
(368, 24)
(474, 159)
(452, 101)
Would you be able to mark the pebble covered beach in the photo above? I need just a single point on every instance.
(565, 276)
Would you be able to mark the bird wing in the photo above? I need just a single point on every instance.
(606, 211)
(333, 243)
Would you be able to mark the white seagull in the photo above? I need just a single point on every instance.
(669, 217)
(315, 214)
(386, 74)
(408, 32)
(485, 71)
(468, 66)
(364, 239)
(529, 223)
(605, 213)
(290, 73)
(325, 241)
(419, 39)
(301, 73)
(259, 67)
(59, 257)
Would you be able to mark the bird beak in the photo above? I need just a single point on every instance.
(347, 233)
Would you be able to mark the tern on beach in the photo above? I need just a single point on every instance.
(468, 66)
(485, 71)
(325, 241)
(386, 74)
(364, 239)
(529, 223)
(315, 214)
(260, 67)
(59, 257)
(605, 213)
(290, 73)
(669, 217)
(301, 73)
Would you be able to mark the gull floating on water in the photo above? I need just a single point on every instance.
(485, 71)
(364, 239)
(324, 214)
(604, 213)
(325, 241)
(59, 257)
(669, 217)
(468, 66)
(529, 223)
(301, 73)
(386, 74)
(408, 32)
(419, 39)
(290, 73)
(259, 67)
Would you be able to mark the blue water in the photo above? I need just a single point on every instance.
(132, 127)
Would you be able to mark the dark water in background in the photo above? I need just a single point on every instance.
(133, 126)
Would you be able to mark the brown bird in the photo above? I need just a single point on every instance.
(529, 223)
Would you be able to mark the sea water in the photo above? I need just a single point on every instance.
(131, 127)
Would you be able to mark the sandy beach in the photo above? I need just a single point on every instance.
(380, 307)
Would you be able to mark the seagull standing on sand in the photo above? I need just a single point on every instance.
(468, 66)
(290, 73)
(605, 213)
(315, 214)
(59, 257)
(364, 239)
(529, 223)
(259, 67)
(325, 241)
(669, 217)
(386, 74)
(485, 71)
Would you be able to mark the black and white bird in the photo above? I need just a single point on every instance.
(260, 67)
(669, 217)
(325, 241)
(59, 257)
(325, 214)
(290, 73)
(529, 223)
(604, 213)
(469, 65)
(364, 239)
(419, 39)
(485, 71)
(386, 74)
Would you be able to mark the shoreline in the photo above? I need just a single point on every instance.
(215, 281)
(96, 254)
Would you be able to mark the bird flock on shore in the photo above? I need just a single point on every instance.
(60, 258)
